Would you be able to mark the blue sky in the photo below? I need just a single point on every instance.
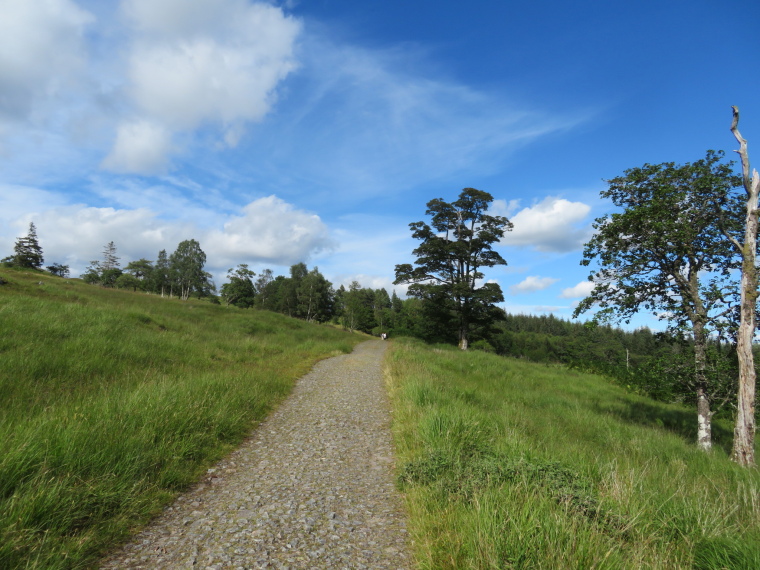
(316, 131)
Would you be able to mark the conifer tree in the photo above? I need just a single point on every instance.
(27, 251)
(455, 248)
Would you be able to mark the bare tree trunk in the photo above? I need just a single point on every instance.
(744, 430)
(704, 415)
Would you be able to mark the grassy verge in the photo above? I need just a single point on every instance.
(508, 464)
(113, 402)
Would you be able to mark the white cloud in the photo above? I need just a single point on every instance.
(534, 309)
(141, 147)
(41, 48)
(579, 291)
(370, 282)
(206, 63)
(269, 231)
(532, 284)
(549, 225)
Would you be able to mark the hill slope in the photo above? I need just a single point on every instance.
(510, 464)
(114, 401)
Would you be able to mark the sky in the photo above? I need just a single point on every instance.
(316, 131)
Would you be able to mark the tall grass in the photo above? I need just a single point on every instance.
(113, 402)
(508, 464)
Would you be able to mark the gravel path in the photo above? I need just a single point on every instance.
(313, 487)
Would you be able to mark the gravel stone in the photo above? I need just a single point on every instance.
(312, 487)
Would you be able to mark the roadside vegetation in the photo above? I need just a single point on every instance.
(114, 402)
(511, 464)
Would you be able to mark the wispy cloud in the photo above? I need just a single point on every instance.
(365, 122)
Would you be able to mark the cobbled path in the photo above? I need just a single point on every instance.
(313, 487)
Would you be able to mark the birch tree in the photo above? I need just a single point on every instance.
(186, 269)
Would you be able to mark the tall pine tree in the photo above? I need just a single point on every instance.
(27, 251)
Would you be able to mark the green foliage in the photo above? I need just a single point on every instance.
(27, 251)
(315, 297)
(58, 270)
(453, 250)
(186, 270)
(114, 402)
(669, 252)
(239, 291)
(665, 252)
(509, 464)
(160, 277)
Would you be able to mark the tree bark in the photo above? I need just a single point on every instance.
(704, 415)
(743, 451)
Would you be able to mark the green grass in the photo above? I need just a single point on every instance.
(508, 464)
(114, 402)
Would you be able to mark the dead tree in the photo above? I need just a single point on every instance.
(743, 451)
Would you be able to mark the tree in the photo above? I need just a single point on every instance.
(239, 291)
(382, 308)
(58, 270)
(186, 269)
(91, 274)
(110, 260)
(665, 253)
(265, 278)
(356, 303)
(27, 251)
(140, 269)
(450, 258)
(128, 281)
(161, 274)
(744, 431)
(315, 297)
(104, 273)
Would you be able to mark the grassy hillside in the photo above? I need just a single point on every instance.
(509, 464)
(112, 402)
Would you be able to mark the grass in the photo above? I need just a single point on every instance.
(508, 464)
(114, 402)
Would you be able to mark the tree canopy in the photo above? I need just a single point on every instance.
(186, 269)
(665, 252)
(454, 248)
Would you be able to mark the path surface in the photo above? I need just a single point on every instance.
(313, 487)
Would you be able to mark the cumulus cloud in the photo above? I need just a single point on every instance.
(532, 284)
(579, 291)
(268, 231)
(41, 48)
(549, 225)
(206, 63)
